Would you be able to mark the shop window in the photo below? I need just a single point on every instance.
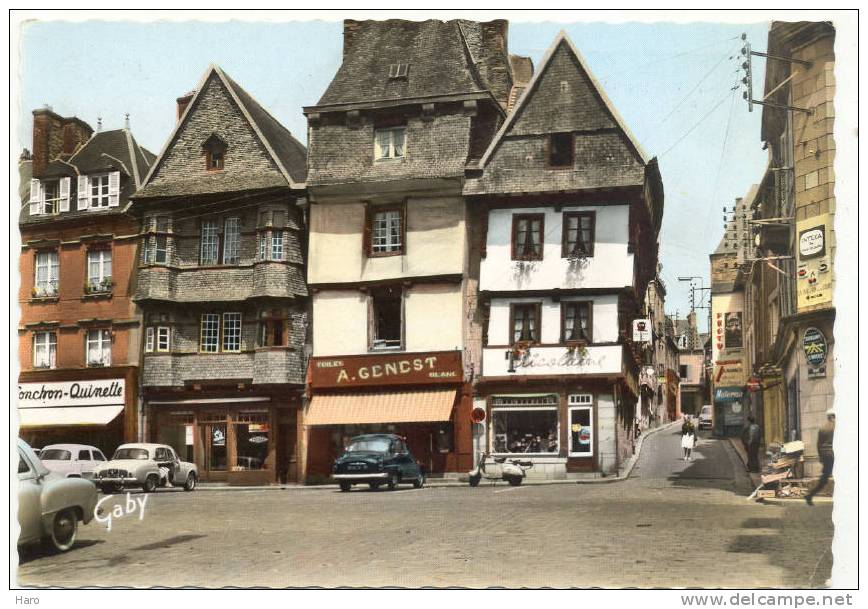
(385, 231)
(251, 441)
(560, 150)
(44, 350)
(386, 311)
(527, 236)
(47, 274)
(576, 321)
(525, 322)
(526, 425)
(99, 348)
(581, 426)
(578, 237)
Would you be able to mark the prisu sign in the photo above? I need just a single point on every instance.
(107, 392)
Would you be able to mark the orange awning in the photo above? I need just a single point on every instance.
(423, 406)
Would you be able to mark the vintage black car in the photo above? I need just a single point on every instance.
(377, 459)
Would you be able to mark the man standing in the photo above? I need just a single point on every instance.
(825, 439)
(751, 440)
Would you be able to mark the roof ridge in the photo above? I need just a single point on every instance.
(134, 163)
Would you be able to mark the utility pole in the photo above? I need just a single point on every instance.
(747, 80)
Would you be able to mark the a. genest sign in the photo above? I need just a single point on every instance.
(106, 392)
(397, 369)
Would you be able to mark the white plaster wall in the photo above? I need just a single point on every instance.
(340, 322)
(435, 233)
(611, 265)
(432, 317)
(606, 442)
(604, 318)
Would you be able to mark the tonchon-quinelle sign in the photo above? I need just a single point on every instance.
(107, 392)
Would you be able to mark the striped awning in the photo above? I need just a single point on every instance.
(421, 406)
(67, 416)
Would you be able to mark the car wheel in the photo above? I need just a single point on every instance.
(190, 484)
(374, 485)
(346, 486)
(393, 481)
(150, 484)
(475, 479)
(420, 481)
(64, 527)
(514, 480)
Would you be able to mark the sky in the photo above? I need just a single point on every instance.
(670, 82)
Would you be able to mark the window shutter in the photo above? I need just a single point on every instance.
(83, 194)
(35, 198)
(114, 188)
(65, 184)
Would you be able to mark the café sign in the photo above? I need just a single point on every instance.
(104, 392)
(395, 369)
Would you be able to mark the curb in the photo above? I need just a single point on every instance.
(628, 468)
(796, 500)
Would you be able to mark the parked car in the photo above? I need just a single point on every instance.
(377, 459)
(72, 460)
(50, 506)
(147, 466)
(705, 417)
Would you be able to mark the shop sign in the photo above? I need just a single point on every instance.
(753, 384)
(729, 371)
(815, 347)
(104, 392)
(728, 394)
(813, 263)
(477, 415)
(585, 436)
(378, 370)
(641, 330)
(257, 439)
(218, 438)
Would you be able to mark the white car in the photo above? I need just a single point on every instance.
(72, 460)
(147, 466)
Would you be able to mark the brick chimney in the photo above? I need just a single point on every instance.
(183, 102)
(351, 26)
(56, 136)
(494, 59)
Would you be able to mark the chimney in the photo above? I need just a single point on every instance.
(55, 136)
(351, 26)
(183, 102)
(494, 62)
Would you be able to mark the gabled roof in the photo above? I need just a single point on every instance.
(562, 39)
(436, 51)
(287, 153)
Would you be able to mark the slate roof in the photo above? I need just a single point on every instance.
(436, 51)
(288, 154)
(115, 150)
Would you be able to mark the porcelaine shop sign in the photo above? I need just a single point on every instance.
(397, 369)
(105, 392)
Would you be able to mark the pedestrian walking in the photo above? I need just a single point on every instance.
(688, 439)
(750, 437)
(825, 438)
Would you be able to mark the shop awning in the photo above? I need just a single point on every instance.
(68, 416)
(423, 406)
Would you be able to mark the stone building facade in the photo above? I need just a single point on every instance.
(79, 332)
(221, 285)
(568, 208)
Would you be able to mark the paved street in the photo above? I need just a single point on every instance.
(672, 524)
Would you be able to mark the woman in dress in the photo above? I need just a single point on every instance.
(688, 440)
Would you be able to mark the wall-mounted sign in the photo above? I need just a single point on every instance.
(641, 330)
(813, 262)
(728, 394)
(732, 334)
(477, 415)
(386, 369)
(729, 371)
(104, 392)
(815, 347)
(753, 384)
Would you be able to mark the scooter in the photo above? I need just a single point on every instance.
(511, 470)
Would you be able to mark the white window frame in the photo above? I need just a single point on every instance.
(229, 331)
(209, 237)
(101, 337)
(580, 401)
(390, 153)
(163, 342)
(149, 339)
(51, 265)
(232, 240)
(209, 334)
(547, 407)
(104, 262)
(263, 245)
(55, 202)
(49, 343)
(277, 243)
(382, 231)
(100, 199)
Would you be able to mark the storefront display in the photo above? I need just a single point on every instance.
(525, 424)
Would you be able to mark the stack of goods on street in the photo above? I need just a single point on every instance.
(778, 477)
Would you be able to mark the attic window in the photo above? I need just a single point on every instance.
(560, 150)
(215, 152)
(398, 70)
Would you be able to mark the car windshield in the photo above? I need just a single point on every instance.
(55, 454)
(373, 445)
(131, 453)
(706, 410)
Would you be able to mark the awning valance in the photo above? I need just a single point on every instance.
(422, 406)
(68, 416)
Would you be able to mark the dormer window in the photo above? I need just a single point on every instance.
(215, 153)
(398, 70)
(49, 196)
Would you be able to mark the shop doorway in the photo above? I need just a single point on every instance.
(215, 454)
